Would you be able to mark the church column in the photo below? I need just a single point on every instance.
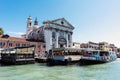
(67, 40)
(57, 34)
(71, 43)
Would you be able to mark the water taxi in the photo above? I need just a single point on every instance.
(18, 55)
(0, 54)
(97, 56)
(65, 55)
(118, 55)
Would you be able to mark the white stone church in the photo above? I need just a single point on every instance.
(55, 33)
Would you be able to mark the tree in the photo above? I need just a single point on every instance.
(1, 31)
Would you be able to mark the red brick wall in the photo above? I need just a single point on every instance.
(39, 46)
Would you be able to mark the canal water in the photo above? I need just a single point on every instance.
(107, 71)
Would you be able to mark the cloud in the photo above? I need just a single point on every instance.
(15, 34)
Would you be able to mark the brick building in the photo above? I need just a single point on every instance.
(99, 46)
(7, 41)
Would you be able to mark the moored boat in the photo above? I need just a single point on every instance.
(64, 55)
(18, 55)
(97, 56)
(118, 55)
(0, 54)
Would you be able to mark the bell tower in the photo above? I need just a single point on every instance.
(35, 26)
(36, 21)
(29, 26)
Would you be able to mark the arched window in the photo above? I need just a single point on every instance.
(2, 44)
(38, 31)
(62, 22)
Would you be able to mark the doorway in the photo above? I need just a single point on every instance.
(61, 46)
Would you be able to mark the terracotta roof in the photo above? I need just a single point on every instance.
(13, 38)
(17, 39)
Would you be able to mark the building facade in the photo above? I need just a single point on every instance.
(55, 33)
(90, 45)
(113, 48)
(76, 45)
(58, 33)
(104, 46)
(7, 41)
(99, 46)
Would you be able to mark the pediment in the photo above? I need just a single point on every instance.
(61, 22)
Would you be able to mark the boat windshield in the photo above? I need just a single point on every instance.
(95, 53)
(91, 53)
(104, 53)
(67, 51)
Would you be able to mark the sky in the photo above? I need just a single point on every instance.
(94, 20)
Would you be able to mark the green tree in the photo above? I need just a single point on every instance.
(1, 31)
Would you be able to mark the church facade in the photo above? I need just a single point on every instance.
(55, 33)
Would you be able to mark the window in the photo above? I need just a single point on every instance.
(2, 44)
(62, 22)
(23, 45)
(38, 31)
(44, 46)
(17, 45)
(30, 24)
(10, 44)
(39, 46)
(73, 44)
(28, 44)
(90, 47)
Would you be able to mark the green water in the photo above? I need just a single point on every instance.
(108, 71)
